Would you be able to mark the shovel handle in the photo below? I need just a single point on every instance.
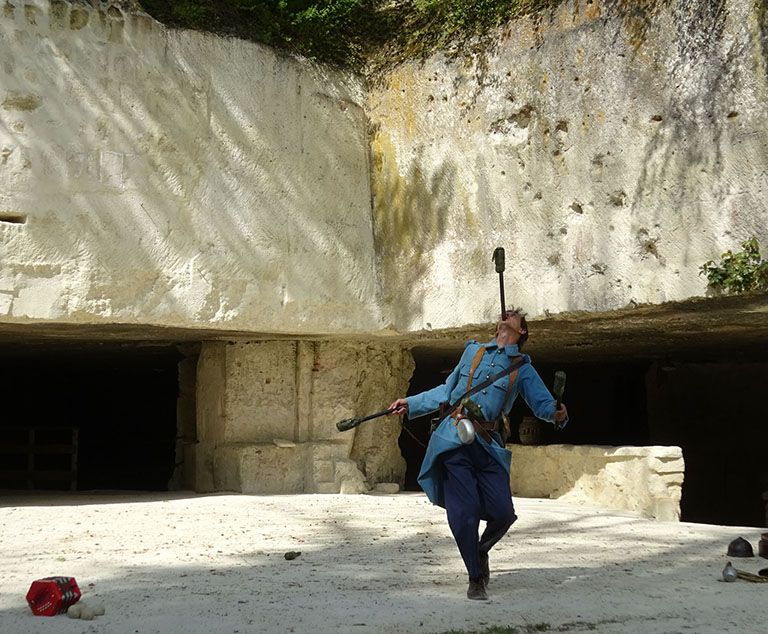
(558, 388)
(499, 263)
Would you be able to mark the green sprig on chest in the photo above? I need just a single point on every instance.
(472, 408)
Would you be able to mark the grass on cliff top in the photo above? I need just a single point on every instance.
(358, 34)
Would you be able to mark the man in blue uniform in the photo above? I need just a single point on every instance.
(471, 481)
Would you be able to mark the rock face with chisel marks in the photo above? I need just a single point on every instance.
(172, 178)
(611, 147)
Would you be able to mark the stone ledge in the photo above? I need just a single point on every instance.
(646, 480)
(269, 469)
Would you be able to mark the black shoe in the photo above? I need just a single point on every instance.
(485, 570)
(476, 590)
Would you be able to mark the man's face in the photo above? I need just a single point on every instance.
(511, 322)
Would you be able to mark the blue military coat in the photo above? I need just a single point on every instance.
(491, 400)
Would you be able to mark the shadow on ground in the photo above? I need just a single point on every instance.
(368, 564)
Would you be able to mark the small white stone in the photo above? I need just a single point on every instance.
(87, 613)
(74, 611)
(97, 607)
(387, 487)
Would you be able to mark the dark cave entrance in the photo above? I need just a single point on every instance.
(710, 406)
(89, 417)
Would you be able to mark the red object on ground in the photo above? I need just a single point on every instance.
(52, 595)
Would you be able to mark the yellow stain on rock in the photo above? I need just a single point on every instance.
(403, 91)
(410, 209)
(471, 226)
(593, 10)
(390, 193)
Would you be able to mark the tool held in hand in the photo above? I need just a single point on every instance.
(498, 260)
(558, 389)
(350, 423)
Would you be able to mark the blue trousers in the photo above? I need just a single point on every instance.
(476, 488)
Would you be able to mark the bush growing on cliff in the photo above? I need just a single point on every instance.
(739, 272)
(346, 32)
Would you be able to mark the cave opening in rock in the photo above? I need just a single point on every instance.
(89, 417)
(707, 403)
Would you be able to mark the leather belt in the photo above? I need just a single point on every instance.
(482, 428)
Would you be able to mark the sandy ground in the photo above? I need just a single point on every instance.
(196, 564)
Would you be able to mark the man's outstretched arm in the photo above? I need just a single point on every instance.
(540, 400)
(429, 400)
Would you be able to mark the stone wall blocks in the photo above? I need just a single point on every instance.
(323, 471)
(262, 469)
(326, 452)
(349, 479)
(667, 466)
(666, 509)
(672, 480)
(665, 453)
(388, 488)
(616, 478)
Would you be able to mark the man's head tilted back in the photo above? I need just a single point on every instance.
(514, 325)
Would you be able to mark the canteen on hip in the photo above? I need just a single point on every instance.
(466, 431)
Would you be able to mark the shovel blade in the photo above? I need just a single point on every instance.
(559, 386)
(347, 424)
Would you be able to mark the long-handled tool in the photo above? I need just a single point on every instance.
(498, 260)
(349, 423)
(558, 388)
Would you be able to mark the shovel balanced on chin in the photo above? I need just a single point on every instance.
(350, 423)
(468, 437)
(500, 265)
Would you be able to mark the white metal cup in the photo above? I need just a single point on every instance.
(466, 431)
(730, 573)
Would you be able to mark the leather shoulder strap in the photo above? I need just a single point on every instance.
(512, 379)
(473, 366)
(475, 362)
(503, 421)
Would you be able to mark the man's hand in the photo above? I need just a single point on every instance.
(561, 414)
(400, 406)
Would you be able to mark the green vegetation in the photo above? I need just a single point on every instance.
(349, 33)
(740, 272)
